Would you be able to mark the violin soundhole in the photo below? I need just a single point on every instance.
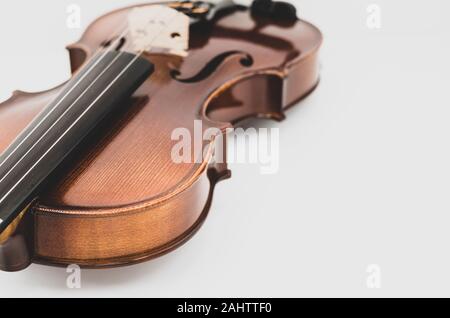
(119, 43)
(246, 60)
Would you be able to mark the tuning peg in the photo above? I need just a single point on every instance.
(279, 10)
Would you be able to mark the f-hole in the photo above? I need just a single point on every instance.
(119, 45)
(245, 59)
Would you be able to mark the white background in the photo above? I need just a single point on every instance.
(364, 166)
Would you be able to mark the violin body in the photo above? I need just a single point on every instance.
(120, 199)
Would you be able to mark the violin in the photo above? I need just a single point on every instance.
(87, 175)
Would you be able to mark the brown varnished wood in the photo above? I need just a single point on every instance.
(121, 199)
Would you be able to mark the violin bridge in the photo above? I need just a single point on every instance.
(159, 28)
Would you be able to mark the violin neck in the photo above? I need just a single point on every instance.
(97, 90)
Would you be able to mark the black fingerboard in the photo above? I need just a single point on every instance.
(98, 89)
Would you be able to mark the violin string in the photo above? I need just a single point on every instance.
(112, 45)
(87, 109)
(36, 126)
(57, 121)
